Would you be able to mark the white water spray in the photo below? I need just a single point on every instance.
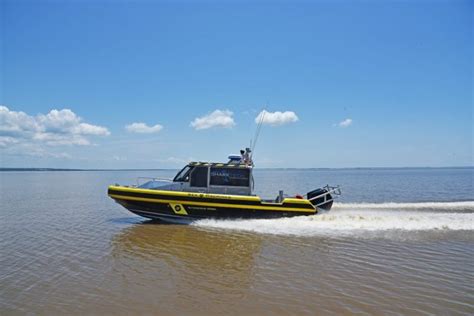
(350, 219)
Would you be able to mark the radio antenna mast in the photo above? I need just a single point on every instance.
(257, 131)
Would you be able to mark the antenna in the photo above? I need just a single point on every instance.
(257, 131)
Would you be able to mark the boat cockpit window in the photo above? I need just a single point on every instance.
(199, 177)
(230, 177)
(183, 175)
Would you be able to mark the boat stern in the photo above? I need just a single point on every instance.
(323, 198)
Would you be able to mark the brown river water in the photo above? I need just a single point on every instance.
(66, 248)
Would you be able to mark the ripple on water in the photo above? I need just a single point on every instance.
(68, 249)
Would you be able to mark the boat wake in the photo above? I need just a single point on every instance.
(458, 207)
(352, 218)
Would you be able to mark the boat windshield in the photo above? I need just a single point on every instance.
(153, 184)
(183, 175)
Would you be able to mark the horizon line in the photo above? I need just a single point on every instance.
(3, 169)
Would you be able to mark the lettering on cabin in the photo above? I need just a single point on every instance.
(209, 196)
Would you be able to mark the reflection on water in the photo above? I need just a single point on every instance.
(199, 254)
(191, 262)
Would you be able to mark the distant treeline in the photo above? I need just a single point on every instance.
(61, 169)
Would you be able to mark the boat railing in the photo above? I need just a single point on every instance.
(151, 179)
(332, 191)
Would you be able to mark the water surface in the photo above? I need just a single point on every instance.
(400, 241)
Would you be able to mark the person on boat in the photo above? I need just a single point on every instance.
(242, 156)
(245, 159)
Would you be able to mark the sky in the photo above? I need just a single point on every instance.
(155, 84)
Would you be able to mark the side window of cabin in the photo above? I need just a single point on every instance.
(237, 177)
(183, 175)
(199, 177)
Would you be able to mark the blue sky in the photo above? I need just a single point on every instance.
(358, 83)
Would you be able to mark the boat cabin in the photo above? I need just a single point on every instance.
(222, 178)
(205, 177)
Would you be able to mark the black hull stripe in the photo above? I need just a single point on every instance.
(174, 218)
(207, 200)
(152, 210)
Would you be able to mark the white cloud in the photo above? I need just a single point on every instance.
(217, 118)
(16, 123)
(67, 122)
(345, 123)
(276, 118)
(143, 128)
(7, 140)
(58, 127)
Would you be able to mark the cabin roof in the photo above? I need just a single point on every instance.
(219, 164)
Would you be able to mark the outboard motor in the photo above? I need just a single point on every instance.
(322, 199)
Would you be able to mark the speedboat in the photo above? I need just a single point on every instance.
(215, 190)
